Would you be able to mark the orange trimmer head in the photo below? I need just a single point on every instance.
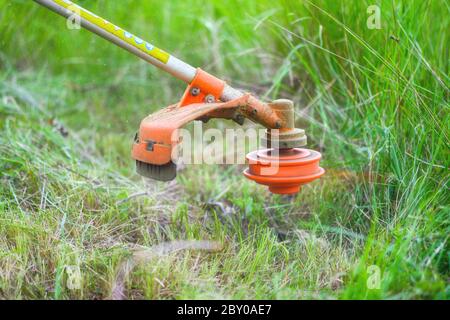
(284, 167)
(284, 171)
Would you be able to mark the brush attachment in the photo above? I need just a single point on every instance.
(165, 172)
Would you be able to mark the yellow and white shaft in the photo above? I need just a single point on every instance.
(122, 38)
(130, 42)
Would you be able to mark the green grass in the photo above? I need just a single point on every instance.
(374, 102)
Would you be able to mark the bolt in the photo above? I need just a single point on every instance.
(239, 119)
(195, 91)
(210, 98)
(204, 119)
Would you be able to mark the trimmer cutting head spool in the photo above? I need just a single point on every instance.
(284, 171)
(284, 166)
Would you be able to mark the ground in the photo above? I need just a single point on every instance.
(77, 222)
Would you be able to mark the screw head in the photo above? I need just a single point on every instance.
(195, 91)
(239, 119)
(210, 98)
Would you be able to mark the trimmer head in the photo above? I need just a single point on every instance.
(284, 171)
(285, 166)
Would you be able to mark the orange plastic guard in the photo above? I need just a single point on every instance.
(158, 132)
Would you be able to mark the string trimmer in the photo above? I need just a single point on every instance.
(283, 167)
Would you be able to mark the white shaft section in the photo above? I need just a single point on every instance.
(122, 38)
(230, 93)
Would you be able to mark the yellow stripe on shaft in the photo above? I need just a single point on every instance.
(127, 37)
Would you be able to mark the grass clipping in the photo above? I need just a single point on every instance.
(142, 255)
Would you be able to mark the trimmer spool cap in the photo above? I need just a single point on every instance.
(284, 171)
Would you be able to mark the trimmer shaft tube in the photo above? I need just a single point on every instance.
(131, 43)
(122, 38)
